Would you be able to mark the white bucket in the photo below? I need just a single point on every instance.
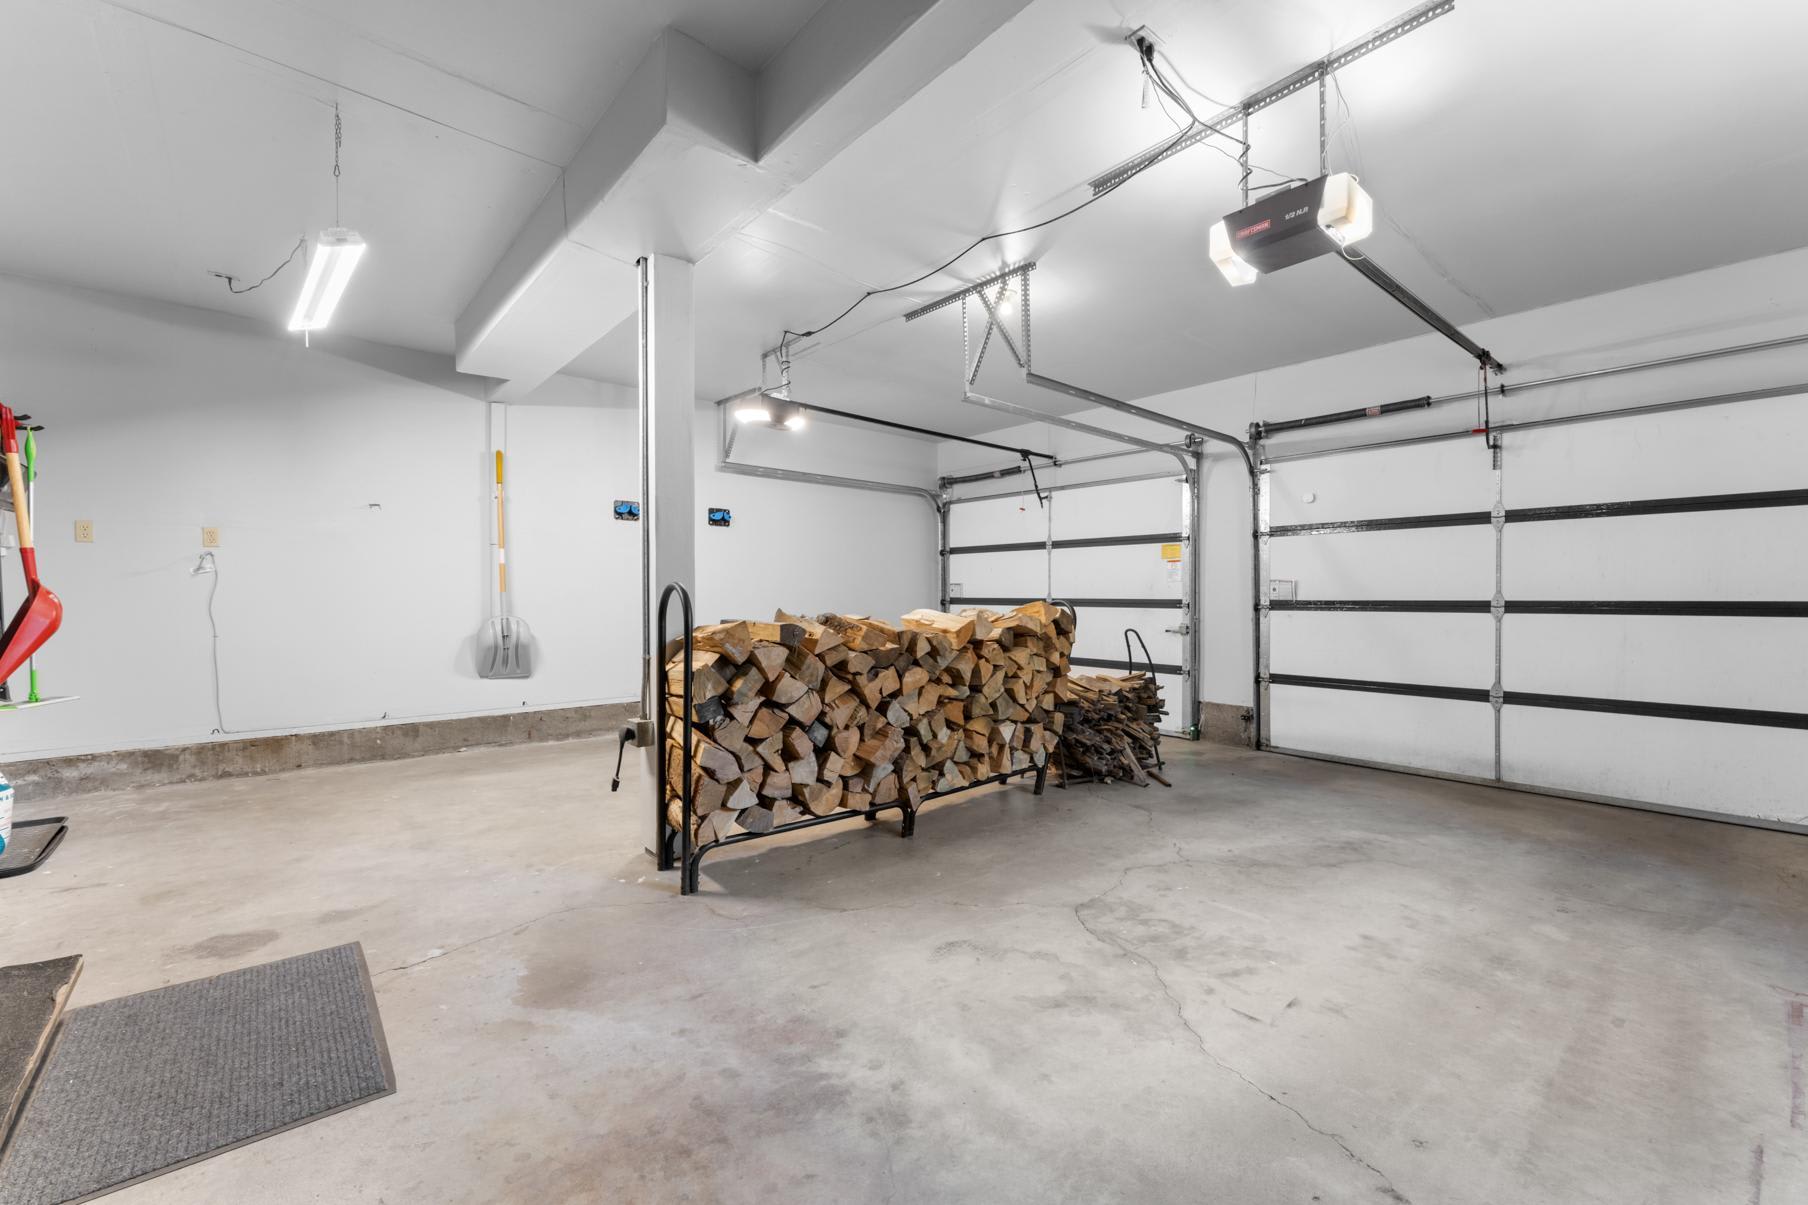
(6, 812)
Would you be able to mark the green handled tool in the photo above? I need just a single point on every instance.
(30, 459)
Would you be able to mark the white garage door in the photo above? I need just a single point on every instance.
(1610, 609)
(1076, 548)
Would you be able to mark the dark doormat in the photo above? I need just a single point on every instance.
(147, 1083)
(32, 843)
(32, 996)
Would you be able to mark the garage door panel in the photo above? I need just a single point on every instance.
(1439, 562)
(1749, 555)
(1100, 633)
(999, 575)
(1115, 510)
(996, 521)
(1440, 650)
(1436, 734)
(1121, 571)
(1690, 764)
(1712, 449)
(1706, 661)
(1703, 555)
(1382, 484)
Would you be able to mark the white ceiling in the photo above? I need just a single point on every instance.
(149, 142)
(1522, 152)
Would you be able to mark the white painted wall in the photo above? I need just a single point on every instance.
(350, 483)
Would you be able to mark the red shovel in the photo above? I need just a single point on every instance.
(38, 620)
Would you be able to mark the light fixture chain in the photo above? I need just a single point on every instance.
(338, 140)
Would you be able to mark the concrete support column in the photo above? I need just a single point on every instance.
(668, 401)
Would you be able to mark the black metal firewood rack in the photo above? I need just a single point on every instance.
(1069, 778)
(678, 850)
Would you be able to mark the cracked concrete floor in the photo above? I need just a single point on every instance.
(1280, 981)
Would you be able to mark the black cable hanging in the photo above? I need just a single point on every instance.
(232, 282)
(1145, 51)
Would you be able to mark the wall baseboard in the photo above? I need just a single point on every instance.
(1226, 724)
(60, 777)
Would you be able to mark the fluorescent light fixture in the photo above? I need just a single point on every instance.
(753, 409)
(1346, 212)
(1235, 268)
(794, 421)
(336, 255)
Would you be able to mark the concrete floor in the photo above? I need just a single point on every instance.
(1280, 981)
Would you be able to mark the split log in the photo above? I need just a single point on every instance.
(1109, 727)
(851, 712)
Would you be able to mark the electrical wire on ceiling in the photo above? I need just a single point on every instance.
(1193, 121)
(1153, 74)
(232, 284)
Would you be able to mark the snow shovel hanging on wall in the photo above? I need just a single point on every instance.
(42, 612)
(505, 647)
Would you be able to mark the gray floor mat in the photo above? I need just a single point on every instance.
(147, 1083)
(31, 1003)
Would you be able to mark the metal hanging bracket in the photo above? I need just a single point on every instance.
(1012, 272)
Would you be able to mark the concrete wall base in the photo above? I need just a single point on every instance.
(59, 777)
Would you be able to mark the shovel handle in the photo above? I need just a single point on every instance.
(16, 478)
(501, 533)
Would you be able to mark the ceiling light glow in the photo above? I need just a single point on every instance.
(1347, 212)
(336, 255)
(754, 409)
(1235, 268)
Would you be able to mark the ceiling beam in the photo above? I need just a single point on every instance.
(688, 152)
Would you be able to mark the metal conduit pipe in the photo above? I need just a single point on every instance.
(1060, 462)
(1507, 390)
(1248, 453)
(1561, 420)
(1154, 416)
(1345, 416)
(1164, 475)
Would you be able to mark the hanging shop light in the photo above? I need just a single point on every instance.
(754, 408)
(768, 408)
(335, 257)
(1292, 226)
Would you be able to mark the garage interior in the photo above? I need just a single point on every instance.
(842, 601)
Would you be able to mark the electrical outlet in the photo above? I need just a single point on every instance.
(210, 537)
(84, 531)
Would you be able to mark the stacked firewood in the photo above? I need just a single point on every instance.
(801, 717)
(1112, 729)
